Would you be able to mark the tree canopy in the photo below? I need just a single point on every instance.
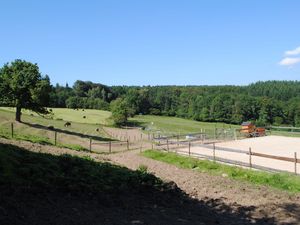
(23, 86)
(121, 110)
(270, 102)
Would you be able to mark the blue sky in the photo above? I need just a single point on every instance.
(154, 42)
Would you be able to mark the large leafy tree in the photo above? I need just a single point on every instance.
(23, 86)
(121, 110)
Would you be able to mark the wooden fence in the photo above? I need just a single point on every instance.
(65, 138)
(186, 148)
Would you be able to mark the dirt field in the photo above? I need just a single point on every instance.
(214, 199)
(271, 145)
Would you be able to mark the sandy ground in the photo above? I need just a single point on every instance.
(271, 145)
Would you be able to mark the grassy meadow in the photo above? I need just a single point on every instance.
(34, 127)
(98, 118)
(176, 125)
(93, 116)
(164, 124)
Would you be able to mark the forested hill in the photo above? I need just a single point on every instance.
(280, 90)
(270, 102)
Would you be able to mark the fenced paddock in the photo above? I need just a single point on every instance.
(204, 136)
(270, 153)
(95, 142)
(116, 146)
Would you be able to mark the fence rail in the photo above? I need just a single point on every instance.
(178, 146)
(66, 138)
(228, 161)
(169, 143)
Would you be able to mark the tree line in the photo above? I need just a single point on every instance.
(265, 103)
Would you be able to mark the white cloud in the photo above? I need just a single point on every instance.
(289, 61)
(295, 51)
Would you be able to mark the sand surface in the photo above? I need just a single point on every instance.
(271, 145)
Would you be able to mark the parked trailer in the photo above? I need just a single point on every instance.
(250, 130)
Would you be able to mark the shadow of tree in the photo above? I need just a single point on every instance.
(41, 189)
(69, 132)
(134, 123)
(293, 209)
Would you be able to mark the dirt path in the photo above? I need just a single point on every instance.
(218, 193)
(285, 208)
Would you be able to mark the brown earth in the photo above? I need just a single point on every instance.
(199, 199)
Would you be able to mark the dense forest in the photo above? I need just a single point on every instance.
(270, 102)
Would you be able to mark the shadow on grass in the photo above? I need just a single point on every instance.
(39, 126)
(45, 189)
(135, 123)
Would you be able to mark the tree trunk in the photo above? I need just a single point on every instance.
(18, 114)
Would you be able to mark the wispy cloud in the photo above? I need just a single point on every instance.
(289, 61)
(295, 51)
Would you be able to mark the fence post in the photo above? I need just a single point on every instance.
(55, 138)
(168, 144)
(250, 158)
(177, 140)
(215, 133)
(295, 162)
(152, 144)
(110, 147)
(127, 144)
(214, 152)
(12, 130)
(90, 144)
(189, 148)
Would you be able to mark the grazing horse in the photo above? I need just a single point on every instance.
(67, 124)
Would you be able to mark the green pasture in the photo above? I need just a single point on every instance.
(176, 125)
(37, 125)
(92, 116)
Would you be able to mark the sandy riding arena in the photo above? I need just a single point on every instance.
(269, 145)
